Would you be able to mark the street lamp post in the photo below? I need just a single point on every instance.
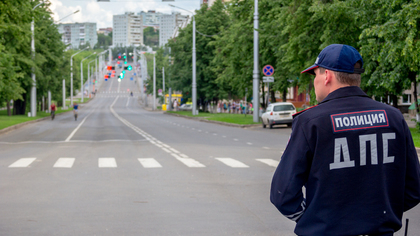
(71, 74)
(81, 74)
(194, 81)
(89, 77)
(255, 81)
(33, 89)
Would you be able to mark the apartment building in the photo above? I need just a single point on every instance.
(167, 25)
(150, 18)
(78, 34)
(105, 31)
(127, 30)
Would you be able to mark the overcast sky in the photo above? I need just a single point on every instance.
(101, 12)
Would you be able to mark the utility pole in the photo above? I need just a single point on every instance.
(255, 81)
(154, 81)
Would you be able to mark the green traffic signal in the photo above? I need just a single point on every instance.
(129, 68)
(125, 62)
(125, 57)
(123, 71)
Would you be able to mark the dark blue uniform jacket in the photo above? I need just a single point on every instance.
(358, 164)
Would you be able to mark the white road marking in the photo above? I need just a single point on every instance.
(232, 162)
(166, 150)
(269, 162)
(174, 150)
(214, 134)
(266, 147)
(149, 163)
(188, 161)
(107, 162)
(224, 136)
(249, 143)
(23, 162)
(64, 162)
(128, 100)
(77, 128)
(235, 139)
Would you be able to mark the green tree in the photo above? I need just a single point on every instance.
(151, 37)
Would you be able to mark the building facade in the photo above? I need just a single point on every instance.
(150, 18)
(127, 30)
(78, 34)
(105, 31)
(168, 24)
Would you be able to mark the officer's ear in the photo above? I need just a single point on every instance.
(329, 77)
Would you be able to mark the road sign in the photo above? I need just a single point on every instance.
(160, 92)
(268, 79)
(134, 74)
(131, 78)
(268, 70)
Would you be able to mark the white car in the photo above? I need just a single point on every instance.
(278, 113)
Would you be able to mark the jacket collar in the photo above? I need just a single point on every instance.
(348, 91)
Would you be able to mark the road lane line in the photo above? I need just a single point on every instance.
(269, 162)
(232, 162)
(107, 162)
(249, 143)
(77, 128)
(64, 162)
(175, 153)
(149, 163)
(22, 162)
(128, 100)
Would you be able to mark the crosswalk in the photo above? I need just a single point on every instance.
(111, 162)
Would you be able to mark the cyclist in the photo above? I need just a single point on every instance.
(53, 108)
(75, 109)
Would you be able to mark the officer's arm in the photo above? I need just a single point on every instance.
(291, 175)
(412, 178)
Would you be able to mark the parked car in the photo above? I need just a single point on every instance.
(185, 107)
(278, 113)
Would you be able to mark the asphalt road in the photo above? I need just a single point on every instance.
(122, 170)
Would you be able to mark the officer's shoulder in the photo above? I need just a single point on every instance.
(305, 111)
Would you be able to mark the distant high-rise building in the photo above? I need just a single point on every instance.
(78, 34)
(150, 18)
(127, 30)
(168, 24)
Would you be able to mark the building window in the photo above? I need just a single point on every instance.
(406, 99)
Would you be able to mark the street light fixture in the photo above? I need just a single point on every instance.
(194, 81)
(71, 74)
(81, 74)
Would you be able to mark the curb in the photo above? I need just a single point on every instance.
(213, 122)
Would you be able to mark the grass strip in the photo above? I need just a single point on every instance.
(239, 119)
(416, 136)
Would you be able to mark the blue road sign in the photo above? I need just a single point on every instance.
(134, 73)
(268, 70)
(131, 78)
(106, 79)
(109, 74)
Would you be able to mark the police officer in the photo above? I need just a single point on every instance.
(354, 156)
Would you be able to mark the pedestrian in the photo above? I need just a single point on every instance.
(224, 107)
(233, 107)
(229, 107)
(53, 109)
(219, 107)
(355, 157)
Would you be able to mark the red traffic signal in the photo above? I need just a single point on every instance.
(119, 57)
(106, 76)
(110, 67)
(113, 72)
(118, 62)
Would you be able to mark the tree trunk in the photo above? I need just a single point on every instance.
(394, 100)
(273, 96)
(19, 107)
(284, 95)
(8, 108)
(412, 77)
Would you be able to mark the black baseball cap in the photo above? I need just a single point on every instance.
(338, 57)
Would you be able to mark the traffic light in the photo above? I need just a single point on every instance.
(118, 62)
(106, 76)
(110, 67)
(125, 57)
(119, 57)
(125, 62)
(129, 67)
